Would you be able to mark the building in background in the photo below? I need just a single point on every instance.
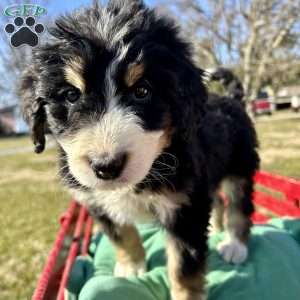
(11, 121)
(289, 96)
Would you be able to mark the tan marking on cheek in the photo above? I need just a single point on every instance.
(134, 73)
(74, 73)
(166, 138)
(129, 248)
(188, 287)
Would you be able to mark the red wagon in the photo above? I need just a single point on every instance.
(274, 196)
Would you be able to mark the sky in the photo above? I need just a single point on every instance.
(57, 7)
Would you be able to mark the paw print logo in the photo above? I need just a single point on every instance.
(24, 34)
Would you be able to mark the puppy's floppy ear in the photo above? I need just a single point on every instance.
(33, 108)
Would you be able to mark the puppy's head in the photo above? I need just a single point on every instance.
(114, 86)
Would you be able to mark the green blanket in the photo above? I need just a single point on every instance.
(272, 271)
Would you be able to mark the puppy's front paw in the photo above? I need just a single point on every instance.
(233, 251)
(129, 269)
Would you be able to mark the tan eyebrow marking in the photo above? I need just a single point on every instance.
(134, 72)
(74, 73)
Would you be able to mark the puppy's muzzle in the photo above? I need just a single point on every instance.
(106, 168)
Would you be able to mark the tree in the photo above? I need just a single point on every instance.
(259, 37)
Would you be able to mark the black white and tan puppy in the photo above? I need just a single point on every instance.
(119, 91)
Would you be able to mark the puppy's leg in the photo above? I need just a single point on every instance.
(186, 251)
(238, 219)
(130, 254)
(216, 222)
(186, 271)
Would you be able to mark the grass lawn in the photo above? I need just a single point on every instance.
(12, 142)
(32, 200)
(280, 146)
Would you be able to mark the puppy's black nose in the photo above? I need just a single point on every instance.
(109, 169)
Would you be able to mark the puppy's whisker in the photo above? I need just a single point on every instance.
(167, 166)
(175, 159)
(166, 171)
(172, 171)
(63, 168)
(155, 178)
(162, 178)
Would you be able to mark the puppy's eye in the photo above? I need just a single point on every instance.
(142, 92)
(72, 95)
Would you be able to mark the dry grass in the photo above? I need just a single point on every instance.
(12, 142)
(280, 146)
(32, 200)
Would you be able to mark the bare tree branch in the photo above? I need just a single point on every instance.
(254, 35)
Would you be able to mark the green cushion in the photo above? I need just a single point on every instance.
(272, 271)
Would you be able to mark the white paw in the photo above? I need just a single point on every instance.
(129, 269)
(233, 251)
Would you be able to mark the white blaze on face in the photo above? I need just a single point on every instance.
(117, 131)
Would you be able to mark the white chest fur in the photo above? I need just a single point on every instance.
(124, 206)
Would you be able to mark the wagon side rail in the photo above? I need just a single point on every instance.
(50, 276)
(275, 196)
(73, 238)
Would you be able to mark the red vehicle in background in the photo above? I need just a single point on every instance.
(262, 105)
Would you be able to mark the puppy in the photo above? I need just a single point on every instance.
(231, 83)
(120, 93)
